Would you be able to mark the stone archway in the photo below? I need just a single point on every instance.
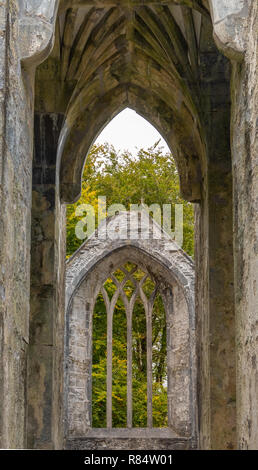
(180, 82)
(173, 271)
(27, 37)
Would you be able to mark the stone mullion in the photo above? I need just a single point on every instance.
(149, 367)
(129, 356)
(149, 358)
(167, 298)
(129, 369)
(109, 308)
(109, 366)
(89, 313)
(148, 313)
(129, 313)
(110, 313)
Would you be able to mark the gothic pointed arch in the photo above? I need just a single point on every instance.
(166, 66)
(143, 57)
(170, 273)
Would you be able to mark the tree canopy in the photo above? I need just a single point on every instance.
(150, 177)
(119, 359)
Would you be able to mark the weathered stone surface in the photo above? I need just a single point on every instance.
(16, 123)
(107, 239)
(231, 22)
(130, 444)
(245, 174)
(36, 29)
(172, 75)
(45, 369)
(118, 78)
(172, 270)
(214, 259)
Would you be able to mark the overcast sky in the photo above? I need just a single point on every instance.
(129, 131)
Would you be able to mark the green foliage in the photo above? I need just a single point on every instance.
(99, 364)
(119, 360)
(149, 178)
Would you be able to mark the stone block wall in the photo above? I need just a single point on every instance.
(244, 139)
(16, 137)
(16, 147)
(26, 37)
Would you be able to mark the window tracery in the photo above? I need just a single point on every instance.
(143, 356)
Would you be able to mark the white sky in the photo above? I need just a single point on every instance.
(129, 131)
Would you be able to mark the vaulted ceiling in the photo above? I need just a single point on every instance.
(110, 54)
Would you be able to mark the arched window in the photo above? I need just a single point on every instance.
(129, 373)
(130, 348)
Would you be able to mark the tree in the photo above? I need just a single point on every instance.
(119, 360)
(151, 177)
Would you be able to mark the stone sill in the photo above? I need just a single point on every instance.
(126, 433)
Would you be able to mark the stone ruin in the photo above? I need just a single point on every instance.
(133, 237)
(67, 67)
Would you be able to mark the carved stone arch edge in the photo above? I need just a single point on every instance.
(230, 20)
(185, 280)
(37, 26)
(74, 144)
(36, 30)
(178, 277)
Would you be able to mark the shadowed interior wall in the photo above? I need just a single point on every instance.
(199, 89)
(45, 383)
(244, 139)
(214, 262)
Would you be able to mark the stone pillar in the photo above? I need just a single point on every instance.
(16, 124)
(245, 174)
(235, 30)
(26, 30)
(215, 313)
(221, 296)
(214, 264)
(45, 374)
